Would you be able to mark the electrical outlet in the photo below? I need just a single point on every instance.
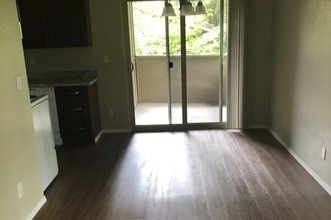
(323, 153)
(19, 83)
(110, 112)
(20, 190)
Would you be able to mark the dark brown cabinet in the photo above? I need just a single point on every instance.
(78, 112)
(55, 23)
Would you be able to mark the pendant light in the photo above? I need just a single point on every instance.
(186, 9)
(200, 9)
(168, 10)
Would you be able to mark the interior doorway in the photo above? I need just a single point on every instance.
(179, 64)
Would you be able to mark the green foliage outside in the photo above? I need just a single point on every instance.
(202, 31)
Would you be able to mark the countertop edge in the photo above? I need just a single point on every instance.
(41, 99)
(62, 78)
(62, 84)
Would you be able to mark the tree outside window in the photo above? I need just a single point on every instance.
(202, 31)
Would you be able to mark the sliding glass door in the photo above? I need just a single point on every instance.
(204, 59)
(153, 75)
(180, 64)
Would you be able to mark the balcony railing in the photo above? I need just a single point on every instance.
(203, 79)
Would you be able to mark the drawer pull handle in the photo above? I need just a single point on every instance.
(79, 129)
(76, 109)
(73, 93)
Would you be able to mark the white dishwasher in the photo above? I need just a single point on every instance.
(38, 91)
(45, 140)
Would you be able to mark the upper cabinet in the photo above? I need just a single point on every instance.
(55, 23)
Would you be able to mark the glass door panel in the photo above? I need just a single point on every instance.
(204, 62)
(152, 82)
(158, 64)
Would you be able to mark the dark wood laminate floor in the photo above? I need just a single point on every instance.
(195, 175)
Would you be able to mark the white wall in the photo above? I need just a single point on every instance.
(19, 160)
(301, 80)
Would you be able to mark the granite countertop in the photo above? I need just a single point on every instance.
(62, 78)
(35, 100)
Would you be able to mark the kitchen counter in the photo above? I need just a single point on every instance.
(62, 78)
(73, 101)
(35, 100)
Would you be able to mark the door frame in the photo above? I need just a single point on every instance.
(235, 82)
(168, 69)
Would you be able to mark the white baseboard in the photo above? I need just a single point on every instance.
(279, 139)
(96, 139)
(303, 164)
(311, 172)
(111, 131)
(37, 208)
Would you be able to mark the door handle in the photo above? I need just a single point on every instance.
(73, 93)
(131, 66)
(171, 64)
(78, 129)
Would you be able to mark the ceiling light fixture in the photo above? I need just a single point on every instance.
(185, 9)
(168, 10)
(200, 9)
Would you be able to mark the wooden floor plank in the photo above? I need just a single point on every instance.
(196, 175)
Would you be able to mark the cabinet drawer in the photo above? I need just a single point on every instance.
(74, 111)
(72, 93)
(73, 126)
(72, 101)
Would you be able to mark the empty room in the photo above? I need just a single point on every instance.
(165, 109)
